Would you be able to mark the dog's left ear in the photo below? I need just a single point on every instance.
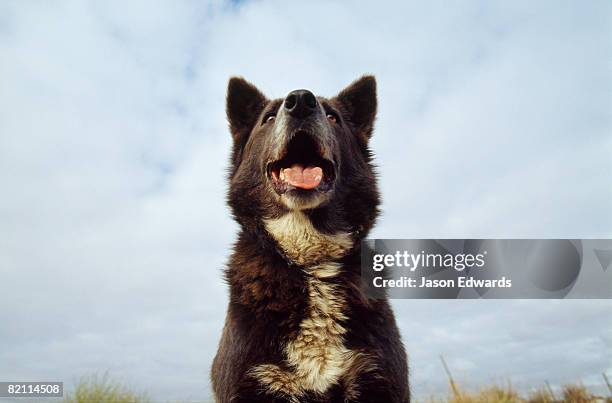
(359, 101)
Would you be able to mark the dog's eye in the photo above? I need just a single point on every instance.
(332, 117)
(269, 118)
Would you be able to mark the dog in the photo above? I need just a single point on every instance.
(303, 190)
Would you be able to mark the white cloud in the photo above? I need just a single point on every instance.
(494, 121)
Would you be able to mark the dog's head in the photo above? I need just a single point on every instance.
(303, 152)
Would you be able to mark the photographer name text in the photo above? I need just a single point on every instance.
(422, 261)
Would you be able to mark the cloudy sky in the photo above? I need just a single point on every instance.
(494, 122)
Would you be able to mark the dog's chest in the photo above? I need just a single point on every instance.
(317, 357)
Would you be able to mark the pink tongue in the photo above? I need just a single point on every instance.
(303, 178)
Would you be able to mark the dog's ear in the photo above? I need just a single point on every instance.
(359, 102)
(244, 104)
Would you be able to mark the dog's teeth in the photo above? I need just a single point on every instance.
(282, 174)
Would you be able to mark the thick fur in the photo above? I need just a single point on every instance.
(298, 327)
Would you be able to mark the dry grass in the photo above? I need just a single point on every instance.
(574, 393)
(96, 389)
(571, 393)
(101, 389)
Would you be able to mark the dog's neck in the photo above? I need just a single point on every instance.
(303, 244)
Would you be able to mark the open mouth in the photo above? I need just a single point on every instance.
(302, 167)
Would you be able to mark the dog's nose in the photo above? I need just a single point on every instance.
(300, 103)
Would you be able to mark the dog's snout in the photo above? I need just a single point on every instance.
(300, 103)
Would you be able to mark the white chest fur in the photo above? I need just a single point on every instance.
(317, 357)
(303, 244)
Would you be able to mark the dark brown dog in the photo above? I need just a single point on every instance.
(302, 188)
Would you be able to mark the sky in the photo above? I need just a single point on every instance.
(494, 121)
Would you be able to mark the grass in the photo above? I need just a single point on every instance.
(101, 389)
(573, 393)
(96, 389)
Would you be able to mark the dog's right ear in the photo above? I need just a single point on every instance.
(244, 104)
